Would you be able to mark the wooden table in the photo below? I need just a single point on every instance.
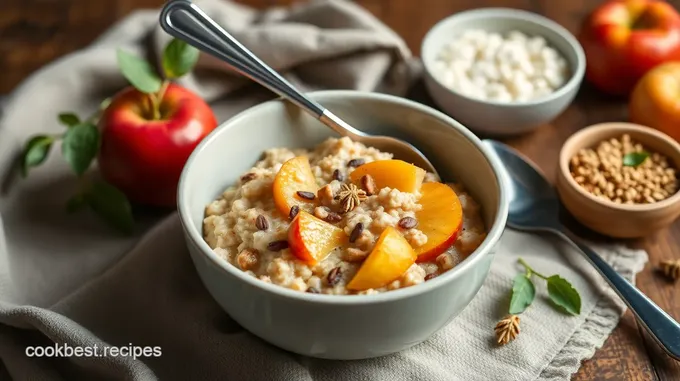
(34, 32)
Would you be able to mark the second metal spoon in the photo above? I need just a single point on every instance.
(534, 206)
(187, 22)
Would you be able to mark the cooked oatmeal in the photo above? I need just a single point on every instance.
(245, 227)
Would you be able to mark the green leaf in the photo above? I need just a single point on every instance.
(80, 146)
(75, 203)
(35, 152)
(111, 205)
(138, 72)
(69, 119)
(523, 293)
(634, 159)
(179, 58)
(564, 295)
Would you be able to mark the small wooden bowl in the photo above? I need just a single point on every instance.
(607, 217)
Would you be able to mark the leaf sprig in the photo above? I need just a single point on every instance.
(634, 159)
(81, 141)
(178, 59)
(79, 146)
(562, 294)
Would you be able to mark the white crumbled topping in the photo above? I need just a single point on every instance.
(506, 68)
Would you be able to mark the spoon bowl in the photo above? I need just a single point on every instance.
(187, 22)
(531, 197)
(534, 206)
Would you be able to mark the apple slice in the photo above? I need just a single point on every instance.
(396, 174)
(294, 176)
(440, 219)
(311, 239)
(391, 256)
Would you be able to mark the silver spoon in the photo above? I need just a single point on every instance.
(185, 21)
(534, 206)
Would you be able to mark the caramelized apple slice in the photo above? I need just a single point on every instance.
(294, 176)
(390, 258)
(311, 239)
(440, 219)
(396, 174)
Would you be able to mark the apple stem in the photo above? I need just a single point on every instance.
(151, 97)
(157, 99)
(155, 113)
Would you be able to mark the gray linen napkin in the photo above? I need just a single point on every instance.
(69, 280)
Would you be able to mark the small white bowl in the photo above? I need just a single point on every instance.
(502, 118)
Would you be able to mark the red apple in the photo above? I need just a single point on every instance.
(143, 156)
(623, 39)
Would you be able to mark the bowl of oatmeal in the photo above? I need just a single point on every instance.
(329, 248)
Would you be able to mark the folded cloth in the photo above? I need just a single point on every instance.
(70, 286)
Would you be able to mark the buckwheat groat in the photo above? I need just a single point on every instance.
(625, 172)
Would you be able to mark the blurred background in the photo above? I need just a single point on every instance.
(35, 32)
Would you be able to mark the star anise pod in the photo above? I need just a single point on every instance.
(671, 269)
(350, 197)
(507, 329)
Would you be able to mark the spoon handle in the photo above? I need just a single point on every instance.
(187, 22)
(662, 327)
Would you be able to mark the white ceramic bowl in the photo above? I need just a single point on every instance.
(500, 118)
(340, 326)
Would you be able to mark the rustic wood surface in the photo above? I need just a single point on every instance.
(35, 32)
